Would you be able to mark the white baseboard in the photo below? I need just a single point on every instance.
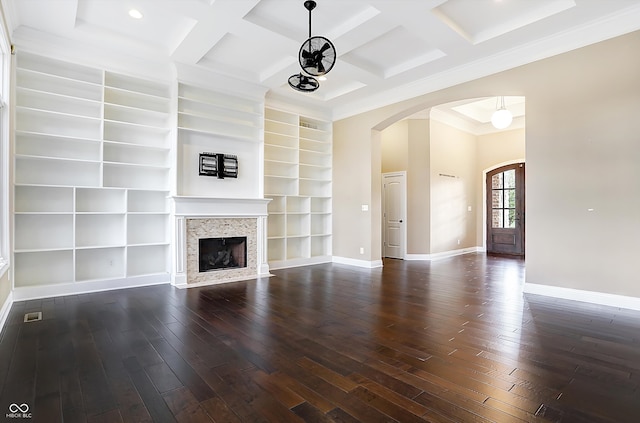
(416, 257)
(284, 264)
(59, 290)
(601, 298)
(444, 254)
(4, 311)
(358, 263)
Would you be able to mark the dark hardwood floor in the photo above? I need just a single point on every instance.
(449, 341)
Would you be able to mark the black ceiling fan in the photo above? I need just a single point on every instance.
(317, 56)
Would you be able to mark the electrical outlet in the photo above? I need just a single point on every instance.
(361, 250)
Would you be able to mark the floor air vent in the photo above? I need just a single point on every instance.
(33, 317)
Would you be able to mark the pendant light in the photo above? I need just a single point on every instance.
(501, 118)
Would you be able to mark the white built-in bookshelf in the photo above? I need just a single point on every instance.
(91, 174)
(297, 177)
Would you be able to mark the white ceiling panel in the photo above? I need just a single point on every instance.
(393, 52)
(159, 26)
(482, 20)
(291, 18)
(253, 59)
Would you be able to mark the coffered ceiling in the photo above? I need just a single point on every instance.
(388, 50)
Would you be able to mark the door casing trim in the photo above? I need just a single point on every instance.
(402, 173)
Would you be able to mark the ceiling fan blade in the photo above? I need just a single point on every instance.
(325, 47)
(320, 67)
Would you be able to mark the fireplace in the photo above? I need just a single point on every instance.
(222, 253)
(203, 223)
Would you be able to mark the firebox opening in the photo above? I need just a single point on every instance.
(222, 253)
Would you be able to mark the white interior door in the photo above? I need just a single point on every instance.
(394, 193)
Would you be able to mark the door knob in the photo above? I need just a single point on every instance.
(400, 220)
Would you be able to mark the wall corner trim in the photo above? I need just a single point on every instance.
(601, 298)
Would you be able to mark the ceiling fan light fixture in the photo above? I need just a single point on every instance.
(502, 117)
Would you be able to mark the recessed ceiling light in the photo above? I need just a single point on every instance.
(135, 14)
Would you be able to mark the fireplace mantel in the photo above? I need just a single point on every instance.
(228, 210)
(212, 206)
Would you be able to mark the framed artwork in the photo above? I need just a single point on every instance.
(218, 165)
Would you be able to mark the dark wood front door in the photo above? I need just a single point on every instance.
(505, 210)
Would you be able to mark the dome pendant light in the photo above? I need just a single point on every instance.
(501, 118)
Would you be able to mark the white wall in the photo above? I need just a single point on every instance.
(246, 185)
(394, 147)
(453, 185)
(583, 153)
(419, 187)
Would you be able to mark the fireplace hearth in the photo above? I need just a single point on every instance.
(222, 253)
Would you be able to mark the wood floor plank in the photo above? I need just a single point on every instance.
(71, 403)
(328, 375)
(163, 377)
(130, 404)
(273, 384)
(309, 395)
(112, 416)
(383, 392)
(183, 371)
(185, 407)
(47, 392)
(262, 405)
(154, 403)
(219, 411)
(310, 414)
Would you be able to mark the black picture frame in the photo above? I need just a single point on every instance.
(218, 165)
(208, 164)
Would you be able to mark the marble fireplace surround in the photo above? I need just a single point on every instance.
(204, 217)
